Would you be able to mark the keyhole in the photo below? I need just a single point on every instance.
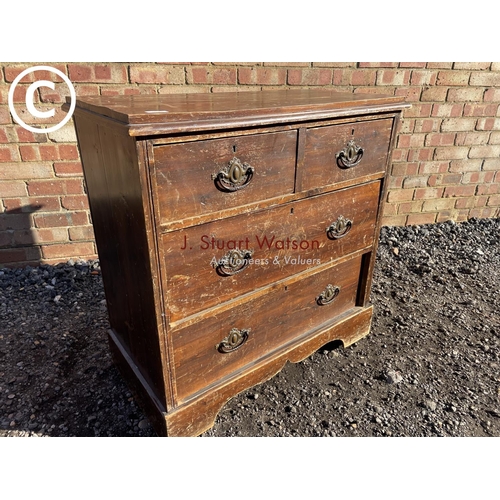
(291, 210)
(234, 148)
(352, 133)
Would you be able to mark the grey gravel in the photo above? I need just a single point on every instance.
(436, 330)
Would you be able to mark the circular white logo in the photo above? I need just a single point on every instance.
(29, 99)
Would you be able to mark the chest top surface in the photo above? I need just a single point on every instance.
(150, 115)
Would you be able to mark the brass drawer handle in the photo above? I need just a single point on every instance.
(350, 156)
(234, 177)
(328, 295)
(234, 262)
(235, 339)
(339, 228)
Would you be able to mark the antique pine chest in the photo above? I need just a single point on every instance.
(236, 232)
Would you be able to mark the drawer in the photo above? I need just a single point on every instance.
(340, 153)
(207, 351)
(196, 178)
(209, 264)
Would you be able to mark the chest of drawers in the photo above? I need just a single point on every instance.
(236, 232)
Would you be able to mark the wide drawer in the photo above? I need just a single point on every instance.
(196, 178)
(207, 351)
(209, 264)
(340, 153)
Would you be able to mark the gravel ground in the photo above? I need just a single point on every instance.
(430, 366)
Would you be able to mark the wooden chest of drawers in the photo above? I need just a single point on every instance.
(236, 232)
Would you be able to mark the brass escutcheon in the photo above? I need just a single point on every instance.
(235, 339)
(350, 156)
(235, 176)
(328, 295)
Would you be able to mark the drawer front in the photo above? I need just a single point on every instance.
(207, 265)
(196, 178)
(207, 351)
(340, 153)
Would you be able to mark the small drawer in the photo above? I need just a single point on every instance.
(209, 264)
(221, 344)
(340, 153)
(196, 178)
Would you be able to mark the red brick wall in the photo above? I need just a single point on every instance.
(446, 164)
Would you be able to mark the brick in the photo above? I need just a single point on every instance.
(261, 76)
(400, 195)
(484, 152)
(5, 117)
(23, 171)
(3, 137)
(353, 77)
(80, 73)
(459, 191)
(48, 152)
(283, 64)
(478, 177)
(472, 65)
(423, 77)
(427, 125)
(458, 124)
(393, 77)
(491, 164)
(472, 138)
(410, 207)
(419, 219)
(9, 153)
(485, 78)
(378, 64)
(410, 94)
(218, 76)
(493, 201)
(59, 234)
(67, 250)
(407, 126)
(24, 135)
(447, 139)
(68, 169)
(334, 64)
(14, 221)
(10, 189)
(29, 153)
(494, 138)
(82, 90)
(465, 94)
(438, 204)
(453, 78)
(29, 205)
(422, 154)
(310, 76)
(390, 210)
(451, 179)
(113, 90)
(6, 238)
(415, 182)
(465, 165)
(428, 193)
(418, 111)
(447, 215)
(488, 124)
(81, 233)
(399, 155)
(60, 220)
(433, 167)
(399, 220)
(157, 74)
(488, 189)
(412, 64)
(20, 255)
(64, 134)
(464, 202)
(395, 182)
(492, 95)
(55, 187)
(447, 110)
(480, 109)
(440, 65)
(411, 140)
(78, 202)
